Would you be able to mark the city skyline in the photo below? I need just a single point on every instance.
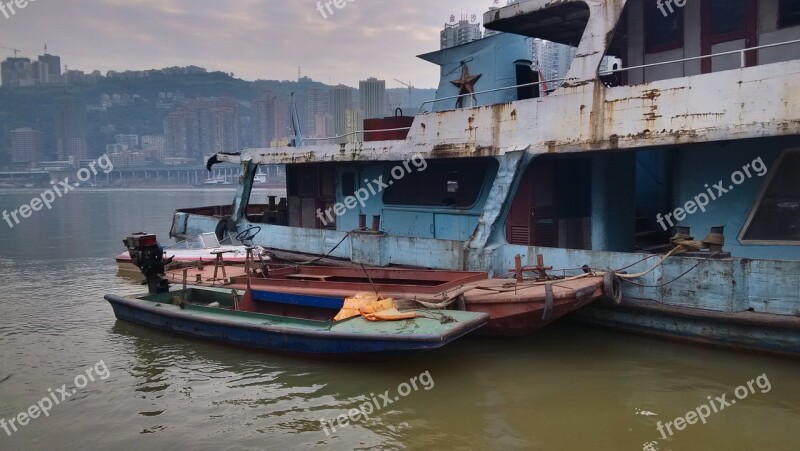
(253, 39)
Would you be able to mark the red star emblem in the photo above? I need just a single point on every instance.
(465, 84)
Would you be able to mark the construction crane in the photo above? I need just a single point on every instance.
(410, 91)
(16, 51)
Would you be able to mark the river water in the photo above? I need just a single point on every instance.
(568, 387)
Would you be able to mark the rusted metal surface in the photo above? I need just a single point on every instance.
(703, 108)
(725, 285)
(522, 311)
(758, 332)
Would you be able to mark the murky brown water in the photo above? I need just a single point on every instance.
(565, 388)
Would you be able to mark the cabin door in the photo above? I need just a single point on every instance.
(533, 220)
(310, 189)
(728, 25)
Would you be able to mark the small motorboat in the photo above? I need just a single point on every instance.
(200, 249)
(309, 325)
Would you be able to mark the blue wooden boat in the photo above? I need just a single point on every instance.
(208, 313)
(305, 325)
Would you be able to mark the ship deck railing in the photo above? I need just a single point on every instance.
(605, 73)
(742, 52)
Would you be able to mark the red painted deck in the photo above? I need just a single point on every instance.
(514, 308)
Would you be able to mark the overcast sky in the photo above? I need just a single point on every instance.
(254, 39)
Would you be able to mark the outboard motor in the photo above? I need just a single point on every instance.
(148, 256)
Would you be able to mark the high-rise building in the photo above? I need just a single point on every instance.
(282, 118)
(461, 32)
(263, 124)
(219, 126)
(53, 65)
(153, 147)
(323, 126)
(202, 127)
(17, 72)
(373, 97)
(552, 59)
(71, 129)
(27, 145)
(318, 107)
(176, 134)
(39, 72)
(341, 103)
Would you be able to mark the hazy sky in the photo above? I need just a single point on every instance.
(254, 39)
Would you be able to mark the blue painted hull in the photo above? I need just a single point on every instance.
(320, 343)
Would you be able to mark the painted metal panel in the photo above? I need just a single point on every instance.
(408, 223)
(297, 299)
(455, 227)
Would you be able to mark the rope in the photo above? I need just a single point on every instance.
(677, 250)
(311, 262)
(371, 282)
(516, 287)
(631, 266)
(443, 319)
(675, 279)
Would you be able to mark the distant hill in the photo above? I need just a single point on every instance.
(143, 115)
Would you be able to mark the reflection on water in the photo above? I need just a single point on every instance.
(565, 388)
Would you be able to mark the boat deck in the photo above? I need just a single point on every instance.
(344, 281)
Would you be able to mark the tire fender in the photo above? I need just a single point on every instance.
(612, 287)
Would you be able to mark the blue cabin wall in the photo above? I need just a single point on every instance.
(492, 58)
(614, 202)
(406, 220)
(708, 164)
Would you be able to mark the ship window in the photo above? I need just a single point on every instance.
(728, 16)
(789, 13)
(775, 219)
(449, 183)
(663, 28)
(348, 184)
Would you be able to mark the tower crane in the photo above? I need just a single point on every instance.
(410, 91)
(16, 51)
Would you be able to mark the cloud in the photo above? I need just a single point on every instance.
(254, 39)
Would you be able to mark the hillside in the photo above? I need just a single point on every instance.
(35, 106)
